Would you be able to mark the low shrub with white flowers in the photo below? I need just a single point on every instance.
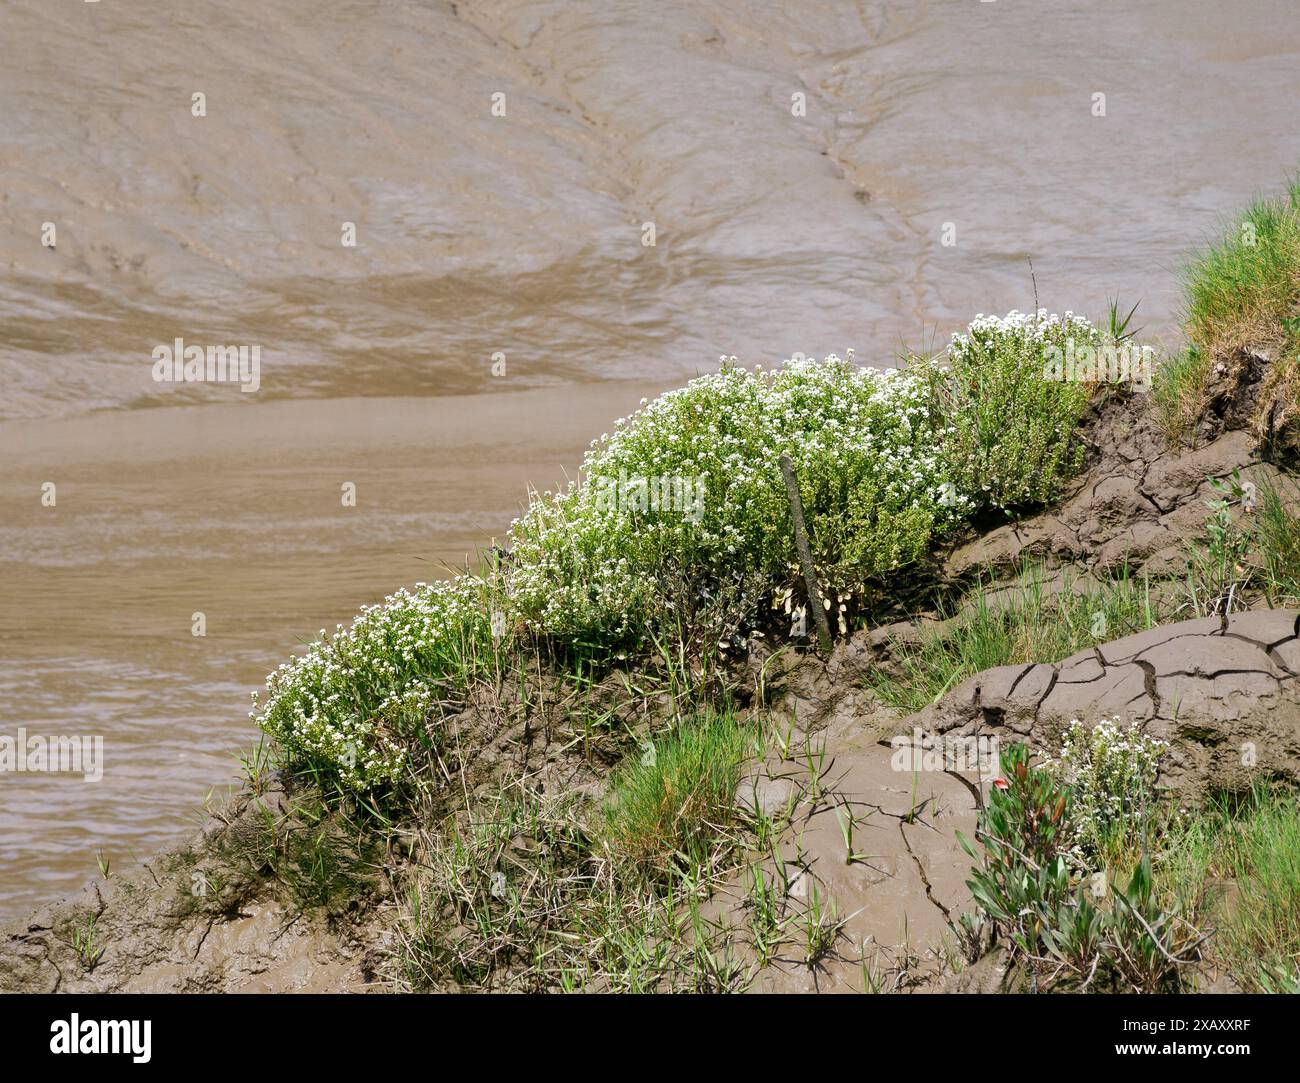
(683, 505)
(348, 707)
(1013, 426)
(872, 478)
(1111, 770)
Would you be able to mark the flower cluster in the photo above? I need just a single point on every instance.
(1040, 329)
(349, 703)
(1013, 438)
(1111, 770)
(865, 448)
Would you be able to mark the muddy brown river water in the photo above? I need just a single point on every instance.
(501, 167)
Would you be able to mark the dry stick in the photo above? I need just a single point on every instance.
(805, 555)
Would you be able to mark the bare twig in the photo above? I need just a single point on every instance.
(805, 555)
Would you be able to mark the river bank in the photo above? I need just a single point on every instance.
(782, 227)
(774, 820)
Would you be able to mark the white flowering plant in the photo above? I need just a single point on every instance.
(350, 706)
(1032, 889)
(680, 521)
(874, 484)
(1013, 426)
(1111, 770)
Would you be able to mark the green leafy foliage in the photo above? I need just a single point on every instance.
(1012, 413)
(600, 562)
(1058, 925)
(678, 532)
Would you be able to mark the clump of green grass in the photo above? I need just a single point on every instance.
(1031, 623)
(1217, 569)
(677, 802)
(527, 891)
(518, 898)
(318, 857)
(86, 944)
(1250, 550)
(1119, 327)
(1236, 867)
(1178, 391)
(1242, 291)
(1277, 530)
(1245, 289)
(477, 904)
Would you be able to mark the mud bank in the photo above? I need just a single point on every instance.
(800, 169)
(214, 914)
